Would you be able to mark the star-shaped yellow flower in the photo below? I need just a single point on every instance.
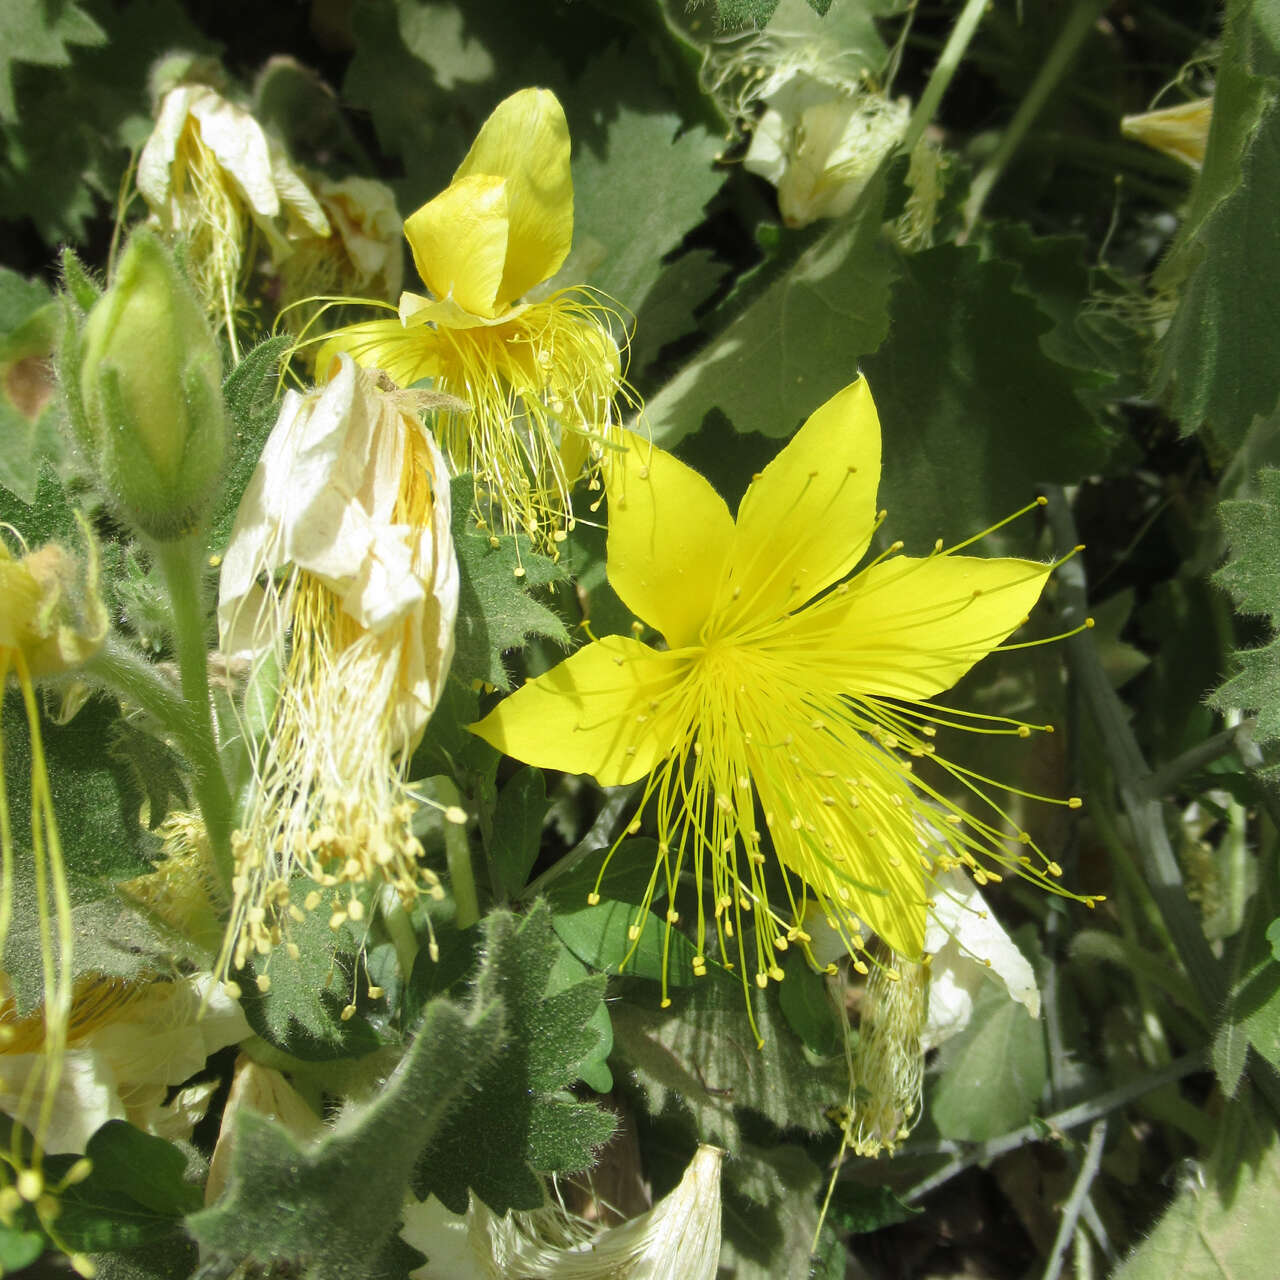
(788, 710)
(540, 375)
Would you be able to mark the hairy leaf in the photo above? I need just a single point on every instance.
(496, 613)
(345, 1190)
(519, 1122)
(1252, 576)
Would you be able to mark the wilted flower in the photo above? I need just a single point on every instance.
(540, 375)
(363, 253)
(1181, 132)
(678, 1239)
(820, 146)
(347, 519)
(819, 128)
(128, 1044)
(789, 709)
(52, 620)
(210, 174)
(967, 948)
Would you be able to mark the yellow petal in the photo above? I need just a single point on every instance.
(460, 241)
(669, 532)
(808, 517)
(526, 142)
(404, 354)
(910, 628)
(593, 713)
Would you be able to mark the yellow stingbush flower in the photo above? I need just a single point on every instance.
(209, 173)
(789, 709)
(349, 505)
(1181, 132)
(540, 375)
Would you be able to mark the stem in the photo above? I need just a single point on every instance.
(457, 851)
(1075, 1205)
(181, 563)
(946, 66)
(599, 836)
(1071, 1118)
(1146, 818)
(1080, 21)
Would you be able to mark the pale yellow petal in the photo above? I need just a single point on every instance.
(594, 713)
(910, 628)
(526, 142)
(669, 532)
(460, 241)
(808, 517)
(403, 353)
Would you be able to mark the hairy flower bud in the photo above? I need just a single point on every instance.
(150, 387)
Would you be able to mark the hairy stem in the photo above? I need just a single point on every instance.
(181, 564)
(1079, 23)
(457, 851)
(948, 62)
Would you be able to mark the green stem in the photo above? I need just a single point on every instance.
(182, 563)
(457, 851)
(948, 63)
(1080, 21)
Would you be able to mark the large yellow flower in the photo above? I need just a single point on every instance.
(540, 375)
(789, 707)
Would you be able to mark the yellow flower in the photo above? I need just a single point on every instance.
(346, 520)
(540, 375)
(789, 709)
(1181, 132)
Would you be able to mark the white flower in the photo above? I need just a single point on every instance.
(820, 144)
(678, 1239)
(128, 1046)
(347, 522)
(969, 947)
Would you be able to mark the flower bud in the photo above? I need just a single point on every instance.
(150, 385)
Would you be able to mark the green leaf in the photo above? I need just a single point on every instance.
(301, 1013)
(1220, 359)
(50, 515)
(29, 412)
(1252, 576)
(135, 1194)
(796, 343)
(975, 415)
(96, 803)
(567, 971)
(18, 1248)
(156, 769)
(859, 1210)
(249, 391)
(640, 182)
(344, 1191)
(1273, 937)
(805, 1003)
(770, 1211)
(519, 1122)
(1223, 1226)
(992, 1073)
(699, 1058)
(517, 829)
(495, 610)
(39, 31)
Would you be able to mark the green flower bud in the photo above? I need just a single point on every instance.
(150, 390)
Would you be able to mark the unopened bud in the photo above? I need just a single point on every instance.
(150, 392)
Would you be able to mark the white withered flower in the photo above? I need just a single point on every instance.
(210, 174)
(347, 522)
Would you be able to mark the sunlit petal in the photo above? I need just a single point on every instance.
(594, 713)
(460, 241)
(404, 354)
(526, 142)
(808, 517)
(910, 628)
(669, 532)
